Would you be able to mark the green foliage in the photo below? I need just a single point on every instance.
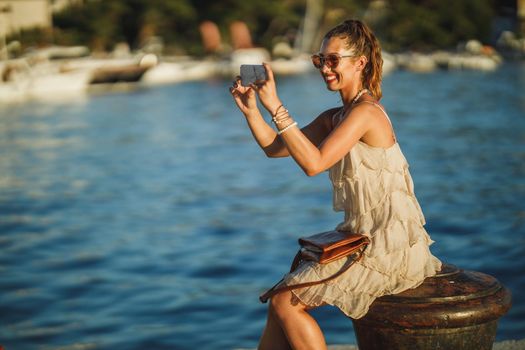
(428, 24)
(403, 24)
(103, 23)
(32, 37)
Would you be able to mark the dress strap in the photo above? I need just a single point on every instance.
(378, 106)
(382, 110)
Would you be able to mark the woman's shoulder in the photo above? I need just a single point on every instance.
(367, 110)
(370, 106)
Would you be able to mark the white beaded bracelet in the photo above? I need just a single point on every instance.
(288, 127)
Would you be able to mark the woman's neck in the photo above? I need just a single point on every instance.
(351, 96)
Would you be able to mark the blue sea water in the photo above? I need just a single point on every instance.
(151, 220)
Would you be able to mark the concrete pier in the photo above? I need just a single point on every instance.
(504, 345)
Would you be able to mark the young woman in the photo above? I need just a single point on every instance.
(356, 143)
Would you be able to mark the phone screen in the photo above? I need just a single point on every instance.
(251, 73)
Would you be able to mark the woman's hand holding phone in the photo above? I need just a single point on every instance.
(267, 91)
(243, 96)
(253, 80)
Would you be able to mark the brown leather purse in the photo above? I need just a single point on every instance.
(324, 248)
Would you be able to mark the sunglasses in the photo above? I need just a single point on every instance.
(331, 60)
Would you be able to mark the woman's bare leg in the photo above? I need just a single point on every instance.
(301, 329)
(273, 337)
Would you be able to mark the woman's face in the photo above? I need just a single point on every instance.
(342, 75)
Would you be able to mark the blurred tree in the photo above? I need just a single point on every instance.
(101, 24)
(265, 19)
(403, 24)
(337, 11)
(176, 21)
(427, 24)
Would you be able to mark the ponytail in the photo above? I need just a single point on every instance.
(362, 41)
(373, 72)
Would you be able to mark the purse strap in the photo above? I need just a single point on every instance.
(296, 261)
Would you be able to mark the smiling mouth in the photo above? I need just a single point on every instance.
(330, 78)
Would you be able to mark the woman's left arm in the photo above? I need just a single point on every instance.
(337, 144)
(314, 160)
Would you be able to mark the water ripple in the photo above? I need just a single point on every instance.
(152, 220)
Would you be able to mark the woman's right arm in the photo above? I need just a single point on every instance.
(267, 138)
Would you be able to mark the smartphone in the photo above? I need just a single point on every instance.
(251, 73)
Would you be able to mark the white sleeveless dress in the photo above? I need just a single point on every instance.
(374, 188)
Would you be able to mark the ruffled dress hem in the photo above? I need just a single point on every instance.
(375, 190)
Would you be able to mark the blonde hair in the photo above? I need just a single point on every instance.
(362, 41)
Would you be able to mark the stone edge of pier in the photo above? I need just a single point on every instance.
(502, 345)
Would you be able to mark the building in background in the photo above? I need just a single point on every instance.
(16, 15)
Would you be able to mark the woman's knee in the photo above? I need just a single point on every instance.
(283, 304)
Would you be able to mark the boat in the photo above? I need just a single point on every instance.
(45, 80)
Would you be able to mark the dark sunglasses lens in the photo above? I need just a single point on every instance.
(317, 61)
(332, 61)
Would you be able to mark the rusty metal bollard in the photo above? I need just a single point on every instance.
(455, 309)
